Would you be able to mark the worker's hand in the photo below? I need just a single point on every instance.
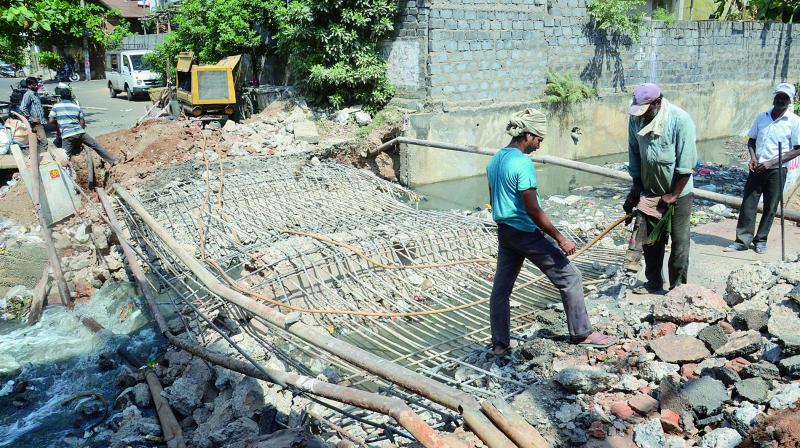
(667, 200)
(567, 246)
(769, 164)
(753, 165)
(632, 200)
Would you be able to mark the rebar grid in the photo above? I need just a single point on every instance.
(247, 223)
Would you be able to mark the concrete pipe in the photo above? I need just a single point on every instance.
(730, 201)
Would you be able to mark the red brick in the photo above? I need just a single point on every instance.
(597, 430)
(645, 390)
(622, 410)
(670, 421)
(643, 404)
(687, 370)
(737, 364)
(665, 329)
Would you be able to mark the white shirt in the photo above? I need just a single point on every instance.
(768, 133)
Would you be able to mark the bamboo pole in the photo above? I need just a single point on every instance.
(47, 236)
(392, 407)
(40, 293)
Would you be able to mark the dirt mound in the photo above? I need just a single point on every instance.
(782, 427)
(17, 206)
(148, 148)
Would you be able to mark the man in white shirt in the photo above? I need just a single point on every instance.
(778, 125)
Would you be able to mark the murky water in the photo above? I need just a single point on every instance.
(472, 192)
(58, 358)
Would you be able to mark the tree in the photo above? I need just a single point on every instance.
(212, 30)
(332, 47)
(54, 23)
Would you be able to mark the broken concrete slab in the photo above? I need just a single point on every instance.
(791, 365)
(752, 319)
(713, 336)
(784, 320)
(690, 303)
(747, 281)
(586, 379)
(785, 396)
(306, 131)
(755, 390)
(721, 438)
(679, 349)
(763, 369)
(649, 434)
(655, 371)
(740, 343)
(706, 395)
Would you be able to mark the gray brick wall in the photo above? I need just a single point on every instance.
(484, 51)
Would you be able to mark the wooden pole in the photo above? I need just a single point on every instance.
(47, 236)
(39, 296)
(781, 185)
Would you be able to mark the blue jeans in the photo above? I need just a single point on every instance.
(514, 246)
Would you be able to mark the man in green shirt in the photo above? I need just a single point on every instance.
(662, 153)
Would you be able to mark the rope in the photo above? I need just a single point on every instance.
(236, 286)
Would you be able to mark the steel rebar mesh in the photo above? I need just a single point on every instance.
(243, 215)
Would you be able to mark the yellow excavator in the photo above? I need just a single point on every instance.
(213, 91)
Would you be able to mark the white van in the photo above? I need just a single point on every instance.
(128, 71)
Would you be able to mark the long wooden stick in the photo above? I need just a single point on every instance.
(47, 236)
(39, 296)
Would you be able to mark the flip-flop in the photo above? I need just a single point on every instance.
(610, 341)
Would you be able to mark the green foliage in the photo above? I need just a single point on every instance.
(563, 91)
(735, 10)
(12, 49)
(55, 22)
(661, 15)
(49, 59)
(617, 17)
(787, 11)
(332, 48)
(388, 117)
(212, 30)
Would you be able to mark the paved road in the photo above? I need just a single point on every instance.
(103, 114)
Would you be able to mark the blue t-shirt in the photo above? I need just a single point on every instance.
(511, 172)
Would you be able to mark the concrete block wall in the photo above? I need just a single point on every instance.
(474, 52)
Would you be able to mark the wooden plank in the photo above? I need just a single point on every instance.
(7, 162)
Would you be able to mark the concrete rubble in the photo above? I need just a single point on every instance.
(691, 373)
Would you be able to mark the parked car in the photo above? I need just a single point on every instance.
(9, 71)
(128, 71)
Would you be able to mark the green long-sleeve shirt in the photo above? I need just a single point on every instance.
(665, 147)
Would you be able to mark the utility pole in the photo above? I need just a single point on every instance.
(87, 69)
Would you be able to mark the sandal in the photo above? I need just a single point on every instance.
(600, 340)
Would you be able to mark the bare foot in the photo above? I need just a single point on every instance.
(598, 340)
(500, 350)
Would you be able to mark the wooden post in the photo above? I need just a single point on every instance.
(47, 236)
(39, 296)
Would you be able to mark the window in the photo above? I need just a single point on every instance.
(127, 62)
(138, 62)
(114, 62)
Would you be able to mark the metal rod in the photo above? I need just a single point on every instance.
(730, 201)
(780, 195)
(393, 407)
(520, 431)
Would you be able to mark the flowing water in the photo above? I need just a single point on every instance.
(58, 358)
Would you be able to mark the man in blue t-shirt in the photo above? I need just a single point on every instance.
(521, 229)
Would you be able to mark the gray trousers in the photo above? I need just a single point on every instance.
(74, 145)
(514, 246)
(769, 185)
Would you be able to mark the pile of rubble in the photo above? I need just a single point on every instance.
(693, 368)
(217, 407)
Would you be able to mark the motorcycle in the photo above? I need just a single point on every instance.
(67, 73)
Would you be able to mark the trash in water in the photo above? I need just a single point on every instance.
(16, 303)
